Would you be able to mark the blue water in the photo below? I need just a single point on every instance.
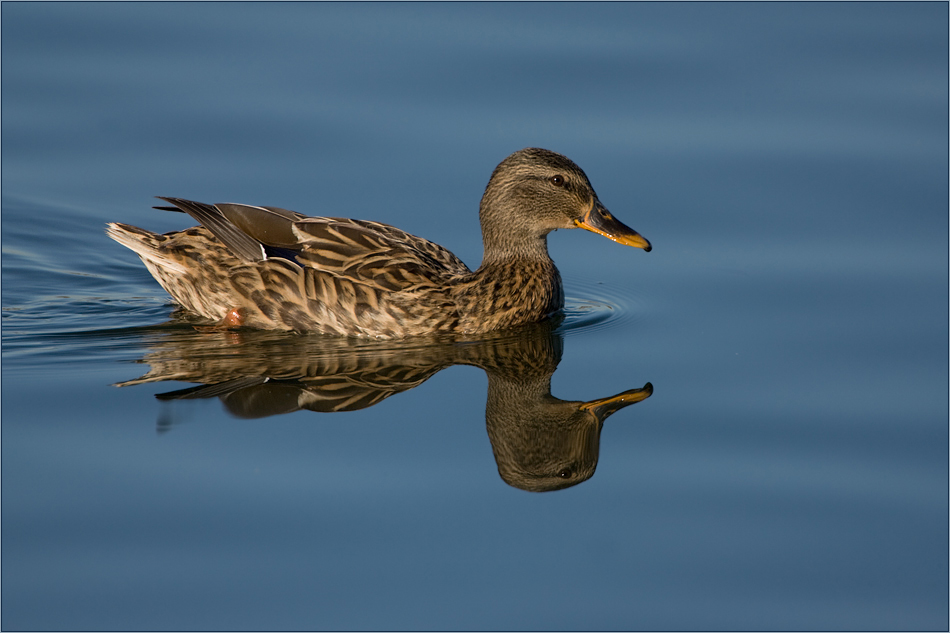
(790, 470)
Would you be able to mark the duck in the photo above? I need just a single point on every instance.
(269, 268)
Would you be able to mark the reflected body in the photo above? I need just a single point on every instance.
(269, 268)
(540, 442)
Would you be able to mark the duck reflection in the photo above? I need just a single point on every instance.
(540, 442)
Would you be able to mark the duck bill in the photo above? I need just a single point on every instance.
(600, 221)
(605, 407)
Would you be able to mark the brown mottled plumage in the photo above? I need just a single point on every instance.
(269, 268)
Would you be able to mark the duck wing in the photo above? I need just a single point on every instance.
(362, 249)
(432, 253)
(380, 255)
(238, 241)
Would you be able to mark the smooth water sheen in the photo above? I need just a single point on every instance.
(788, 471)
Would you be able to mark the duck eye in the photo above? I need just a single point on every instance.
(557, 180)
(565, 473)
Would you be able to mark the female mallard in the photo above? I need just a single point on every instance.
(269, 268)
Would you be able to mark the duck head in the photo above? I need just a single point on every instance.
(535, 191)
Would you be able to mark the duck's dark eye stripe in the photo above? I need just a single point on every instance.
(557, 180)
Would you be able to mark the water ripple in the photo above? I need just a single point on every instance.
(596, 306)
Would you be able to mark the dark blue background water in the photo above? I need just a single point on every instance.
(789, 164)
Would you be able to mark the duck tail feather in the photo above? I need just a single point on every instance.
(145, 244)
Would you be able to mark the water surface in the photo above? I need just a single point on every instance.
(788, 471)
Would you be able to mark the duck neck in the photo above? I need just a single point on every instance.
(517, 282)
(517, 259)
(503, 247)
